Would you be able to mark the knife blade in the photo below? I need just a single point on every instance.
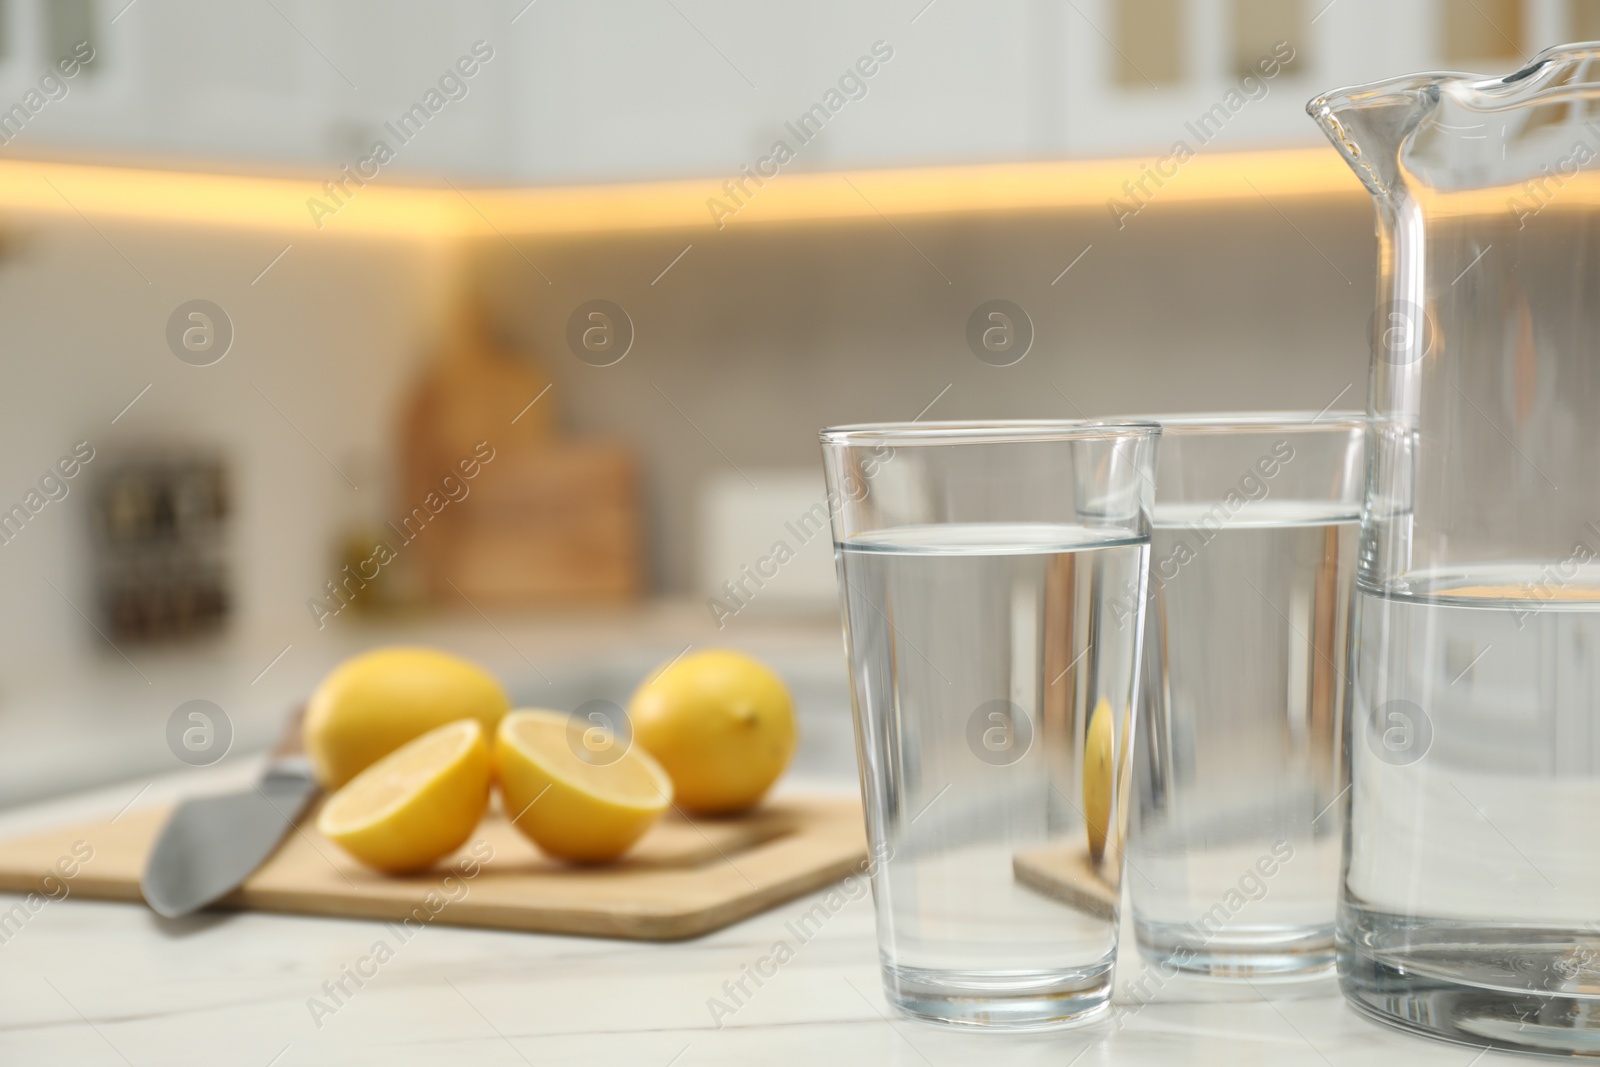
(211, 844)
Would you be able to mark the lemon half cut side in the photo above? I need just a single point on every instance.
(416, 805)
(571, 808)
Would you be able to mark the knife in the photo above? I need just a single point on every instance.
(211, 844)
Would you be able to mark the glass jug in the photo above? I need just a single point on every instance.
(1470, 899)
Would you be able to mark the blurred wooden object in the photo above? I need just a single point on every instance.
(543, 519)
(561, 524)
(469, 392)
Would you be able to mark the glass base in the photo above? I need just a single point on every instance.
(1256, 953)
(1551, 1024)
(1001, 1000)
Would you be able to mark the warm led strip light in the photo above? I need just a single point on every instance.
(383, 208)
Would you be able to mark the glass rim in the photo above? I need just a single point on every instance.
(991, 431)
(1220, 422)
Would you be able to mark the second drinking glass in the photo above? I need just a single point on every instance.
(1233, 855)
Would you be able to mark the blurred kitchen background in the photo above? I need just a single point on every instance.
(274, 340)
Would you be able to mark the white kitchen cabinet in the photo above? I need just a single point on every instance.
(636, 89)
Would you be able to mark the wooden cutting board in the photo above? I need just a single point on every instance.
(1068, 874)
(547, 521)
(683, 879)
(560, 524)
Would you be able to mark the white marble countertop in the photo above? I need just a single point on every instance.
(84, 982)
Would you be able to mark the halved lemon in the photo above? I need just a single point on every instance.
(416, 805)
(574, 809)
(1099, 777)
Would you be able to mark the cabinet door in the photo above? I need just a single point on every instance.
(701, 87)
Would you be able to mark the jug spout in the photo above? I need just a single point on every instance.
(1486, 189)
(1452, 132)
(1369, 125)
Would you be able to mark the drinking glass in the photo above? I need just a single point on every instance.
(1233, 855)
(994, 671)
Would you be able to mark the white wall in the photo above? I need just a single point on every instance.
(329, 334)
(763, 336)
(760, 336)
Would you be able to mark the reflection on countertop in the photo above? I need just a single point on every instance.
(76, 724)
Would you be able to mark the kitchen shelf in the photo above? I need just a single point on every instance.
(417, 212)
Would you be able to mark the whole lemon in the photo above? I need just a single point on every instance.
(721, 724)
(373, 703)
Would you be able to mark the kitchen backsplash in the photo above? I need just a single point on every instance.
(754, 340)
(743, 344)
